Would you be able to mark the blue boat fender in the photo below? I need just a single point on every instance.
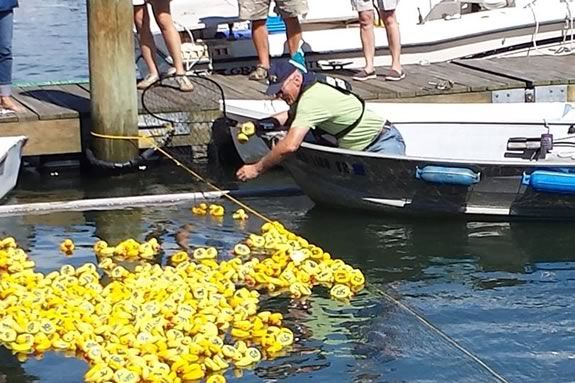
(447, 175)
(550, 181)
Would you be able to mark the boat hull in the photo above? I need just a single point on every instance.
(10, 159)
(376, 183)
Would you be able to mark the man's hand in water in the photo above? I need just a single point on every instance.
(248, 172)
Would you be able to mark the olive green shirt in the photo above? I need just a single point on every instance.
(333, 111)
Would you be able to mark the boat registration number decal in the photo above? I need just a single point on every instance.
(245, 70)
(340, 167)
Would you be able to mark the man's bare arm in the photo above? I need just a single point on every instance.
(286, 146)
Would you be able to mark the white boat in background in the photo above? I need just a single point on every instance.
(478, 159)
(431, 30)
(10, 158)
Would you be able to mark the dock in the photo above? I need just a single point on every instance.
(56, 118)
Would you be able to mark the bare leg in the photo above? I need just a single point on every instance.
(367, 38)
(171, 36)
(293, 33)
(260, 39)
(393, 38)
(147, 45)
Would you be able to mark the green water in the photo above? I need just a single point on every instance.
(504, 291)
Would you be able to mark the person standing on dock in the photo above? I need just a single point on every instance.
(6, 32)
(163, 16)
(326, 109)
(386, 10)
(257, 11)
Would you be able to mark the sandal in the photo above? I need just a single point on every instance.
(259, 74)
(171, 72)
(148, 81)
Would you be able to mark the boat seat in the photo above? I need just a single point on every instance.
(446, 9)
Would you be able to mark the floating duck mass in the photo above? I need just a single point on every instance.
(189, 320)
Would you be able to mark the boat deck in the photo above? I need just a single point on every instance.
(57, 117)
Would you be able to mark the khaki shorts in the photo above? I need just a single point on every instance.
(259, 9)
(367, 5)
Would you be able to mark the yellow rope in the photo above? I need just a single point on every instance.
(118, 137)
(186, 168)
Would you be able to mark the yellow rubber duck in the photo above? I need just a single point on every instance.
(248, 128)
(242, 138)
(200, 209)
(8, 243)
(216, 378)
(179, 257)
(340, 292)
(241, 249)
(67, 247)
(240, 215)
(99, 246)
(216, 210)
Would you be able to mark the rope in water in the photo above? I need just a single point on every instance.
(442, 334)
(427, 323)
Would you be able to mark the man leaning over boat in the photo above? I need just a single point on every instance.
(327, 108)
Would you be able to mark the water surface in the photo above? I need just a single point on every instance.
(502, 290)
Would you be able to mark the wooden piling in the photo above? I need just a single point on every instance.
(114, 105)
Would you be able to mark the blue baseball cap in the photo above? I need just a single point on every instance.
(277, 74)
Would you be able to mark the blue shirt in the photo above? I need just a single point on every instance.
(8, 5)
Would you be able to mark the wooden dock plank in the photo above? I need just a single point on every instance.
(368, 90)
(85, 86)
(236, 87)
(537, 70)
(423, 80)
(256, 89)
(474, 80)
(42, 102)
(70, 96)
(447, 78)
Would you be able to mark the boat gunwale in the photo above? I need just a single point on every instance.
(436, 160)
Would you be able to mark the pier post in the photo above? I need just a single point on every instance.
(114, 103)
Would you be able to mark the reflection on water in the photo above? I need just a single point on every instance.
(503, 290)
(11, 369)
